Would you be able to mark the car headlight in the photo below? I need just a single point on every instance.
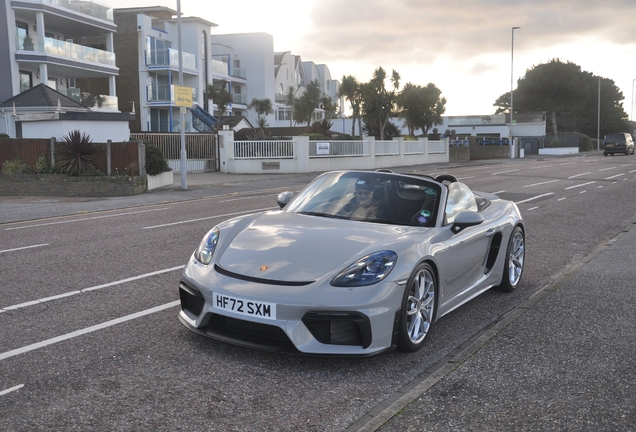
(367, 270)
(206, 248)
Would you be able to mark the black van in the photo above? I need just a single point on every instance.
(618, 143)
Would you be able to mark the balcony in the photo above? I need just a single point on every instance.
(164, 93)
(238, 72)
(93, 100)
(86, 7)
(239, 98)
(67, 49)
(170, 58)
(219, 67)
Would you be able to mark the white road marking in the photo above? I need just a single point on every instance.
(93, 288)
(91, 329)
(504, 172)
(210, 217)
(579, 175)
(243, 198)
(534, 198)
(537, 184)
(22, 248)
(83, 219)
(12, 389)
(614, 176)
(498, 192)
(607, 169)
(561, 199)
(583, 192)
(581, 185)
(539, 167)
(569, 163)
(465, 178)
(533, 208)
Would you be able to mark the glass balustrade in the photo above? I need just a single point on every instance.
(170, 57)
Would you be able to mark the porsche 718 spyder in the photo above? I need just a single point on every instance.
(355, 264)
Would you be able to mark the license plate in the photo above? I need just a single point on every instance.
(244, 307)
(609, 145)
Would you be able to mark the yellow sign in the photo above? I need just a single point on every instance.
(183, 96)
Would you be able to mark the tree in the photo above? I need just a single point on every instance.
(379, 102)
(570, 96)
(351, 90)
(422, 107)
(306, 104)
(219, 96)
(263, 108)
(290, 99)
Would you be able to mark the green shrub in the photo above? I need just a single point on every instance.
(43, 166)
(156, 163)
(585, 143)
(76, 154)
(15, 166)
(4, 135)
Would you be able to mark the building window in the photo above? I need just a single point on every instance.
(26, 81)
(52, 82)
(283, 114)
(159, 121)
(157, 51)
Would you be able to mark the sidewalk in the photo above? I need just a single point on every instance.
(565, 360)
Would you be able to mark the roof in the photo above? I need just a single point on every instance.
(232, 121)
(41, 96)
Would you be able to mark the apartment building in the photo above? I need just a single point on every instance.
(66, 45)
(147, 43)
(268, 74)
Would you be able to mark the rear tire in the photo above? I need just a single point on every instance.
(515, 259)
(419, 305)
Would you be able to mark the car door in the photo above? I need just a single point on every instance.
(461, 257)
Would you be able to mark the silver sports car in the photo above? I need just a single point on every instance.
(357, 263)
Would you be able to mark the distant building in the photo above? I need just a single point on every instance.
(59, 44)
(146, 44)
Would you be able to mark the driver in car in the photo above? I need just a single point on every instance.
(366, 203)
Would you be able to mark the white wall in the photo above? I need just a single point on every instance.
(117, 131)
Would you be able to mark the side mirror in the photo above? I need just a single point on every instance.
(465, 219)
(284, 198)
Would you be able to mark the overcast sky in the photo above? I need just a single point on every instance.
(464, 47)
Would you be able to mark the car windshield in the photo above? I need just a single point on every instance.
(615, 138)
(370, 196)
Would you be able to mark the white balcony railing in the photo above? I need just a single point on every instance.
(66, 49)
(219, 67)
(239, 98)
(170, 57)
(87, 7)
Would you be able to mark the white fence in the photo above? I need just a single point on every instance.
(302, 155)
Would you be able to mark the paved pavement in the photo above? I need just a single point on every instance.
(565, 360)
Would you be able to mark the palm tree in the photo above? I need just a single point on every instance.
(290, 99)
(350, 90)
(306, 104)
(263, 108)
(220, 96)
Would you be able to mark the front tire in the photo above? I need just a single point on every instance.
(418, 308)
(515, 259)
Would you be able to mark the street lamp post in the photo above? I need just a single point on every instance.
(633, 99)
(512, 58)
(184, 157)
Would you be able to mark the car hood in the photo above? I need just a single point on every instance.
(292, 247)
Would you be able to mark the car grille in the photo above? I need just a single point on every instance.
(339, 328)
(191, 299)
(252, 334)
